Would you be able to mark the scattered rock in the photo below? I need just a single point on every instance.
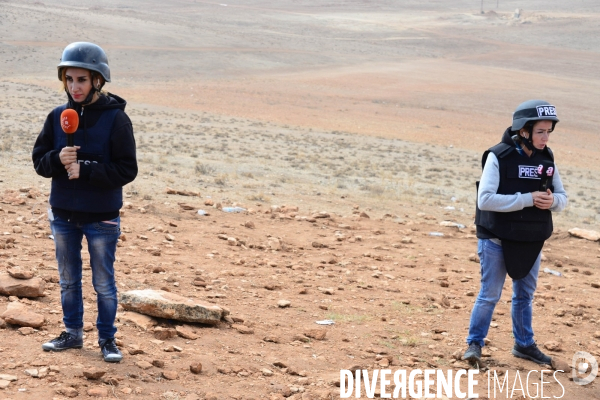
(170, 375)
(196, 368)
(19, 273)
(68, 392)
(140, 320)
(93, 373)
(553, 345)
(272, 339)
(97, 392)
(186, 332)
(10, 378)
(315, 333)
(560, 365)
(10, 286)
(249, 224)
(18, 314)
(143, 364)
(4, 384)
(284, 303)
(34, 373)
(243, 329)
(164, 333)
(585, 234)
(162, 304)
(266, 372)
(26, 330)
(158, 363)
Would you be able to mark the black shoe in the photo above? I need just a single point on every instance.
(63, 342)
(110, 351)
(531, 353)
(473, 353)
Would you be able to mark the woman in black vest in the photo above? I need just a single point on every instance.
(519, 188)
(86, 194)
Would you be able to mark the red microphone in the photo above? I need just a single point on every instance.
(69, 121)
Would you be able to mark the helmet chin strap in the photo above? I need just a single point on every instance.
(528, 143)
(518, 138)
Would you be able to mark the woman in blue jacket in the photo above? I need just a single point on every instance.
(86, 194)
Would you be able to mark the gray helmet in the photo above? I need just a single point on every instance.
(533, 110)
(85, 55)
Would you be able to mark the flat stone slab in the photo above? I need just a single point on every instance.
(162, 304)
(10, 286)
(585, 234)
(18, 314)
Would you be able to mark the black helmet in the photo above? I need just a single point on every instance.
(533, 110)
(85, 55)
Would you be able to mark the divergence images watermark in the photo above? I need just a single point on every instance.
(432, 383)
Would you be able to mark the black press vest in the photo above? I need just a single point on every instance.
(517, 174)
(78, 195)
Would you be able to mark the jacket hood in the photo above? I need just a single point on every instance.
(107, 101)
(507, 137)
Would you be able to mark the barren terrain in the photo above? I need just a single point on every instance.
(335, 107)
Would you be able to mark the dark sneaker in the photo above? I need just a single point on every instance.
(64, 342)
(473, 353)
(531, 353)
(110, 351)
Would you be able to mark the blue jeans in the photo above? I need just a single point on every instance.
(102, 245)
(493, 274)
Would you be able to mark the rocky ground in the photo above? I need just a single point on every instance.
(367, 120)
(399, 297)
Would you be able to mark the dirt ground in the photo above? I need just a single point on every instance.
(336, 108)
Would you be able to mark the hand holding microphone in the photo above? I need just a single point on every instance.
(543, 200)
(69, 122)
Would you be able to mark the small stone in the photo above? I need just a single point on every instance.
(26, 330)
(4, 384)
(34, 373)
(170, 375)
(93, 373)
(243, 329)
(10, 378)
(553, 345)
(284, 303)
(143, 364)
(585, 234)
(158, 363)
(406, 239)
(473, 257)
(68, 392)
(186, 332)
(196, 368)
(272, 339)
(315, 333)
(18, 314)
(164, 333)
(325, 290)
(266, 372)
(19, 273)
(98, 392)
(88, 326)
(560, 365)
(249, 224)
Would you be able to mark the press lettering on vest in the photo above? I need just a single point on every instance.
(528, 172)
(546, 111)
